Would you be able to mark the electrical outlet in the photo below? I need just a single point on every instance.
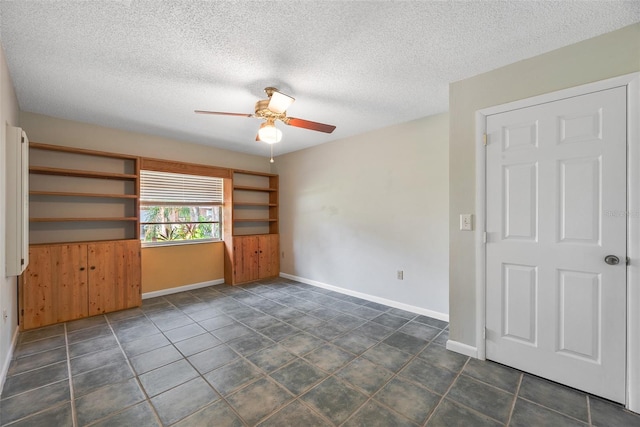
(400, 275)
(466, 222)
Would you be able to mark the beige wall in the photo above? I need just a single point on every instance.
(354, 211)
(165, 267)
(602, 57)
(8, 285)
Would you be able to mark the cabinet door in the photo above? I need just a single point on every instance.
(54, 286)
(114, 276)
(245, 265)
(269, 261)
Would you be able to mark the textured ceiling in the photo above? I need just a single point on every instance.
(360, 65)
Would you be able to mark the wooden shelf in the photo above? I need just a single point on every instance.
(255, 220)
(254, 204)
(71, 194)
(247, 188)
(42, 170)
(83, 219)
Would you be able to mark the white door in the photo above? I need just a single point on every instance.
(556, 207)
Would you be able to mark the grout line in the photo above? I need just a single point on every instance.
(74, 415)
(515, 398)
(446, 392)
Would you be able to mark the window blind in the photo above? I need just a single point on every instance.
(174, 188)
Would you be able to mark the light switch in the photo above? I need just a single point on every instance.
(466, 222)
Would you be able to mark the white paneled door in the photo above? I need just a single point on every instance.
(556, 209)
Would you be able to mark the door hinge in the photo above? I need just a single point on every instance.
(22, 139)
(628, 261)
(484, 139)
(22, 261)
(484, 237)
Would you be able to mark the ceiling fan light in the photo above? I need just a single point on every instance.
(279, 102)
(269, 133)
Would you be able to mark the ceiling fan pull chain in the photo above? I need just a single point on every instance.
(271, 161)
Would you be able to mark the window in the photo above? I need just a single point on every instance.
(177, 208)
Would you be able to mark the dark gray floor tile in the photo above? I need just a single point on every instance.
(102, 343)
(449, 414)
(87, 322)
(145, 344)
(195, 307)
(442, 338)
(117, 316)
(440, 356)
(216, 322)
(34, 401)
(92, 361)
(197, 344)
(41, 333)
(298, 376)
(212, 358)
(301, 343)
(327, 331)
(294, 415)
(420, 330)
(406, 343)
(367, 313)
(377, 306)
(279, 332)
(219, 414)
(184, 332)
(324, 313)
(135, 333)
(374, 415)
(93, 380)
(205, 314)
(32, 347)
(329, 357)
(166, 377)
(229, 378)
(286, 313)
(432, 377)
(37, 360)
(387, 356)
(334, 399)
(130, 323)
(258, 400)
(390, 321)
(59, 416)
(355, 342)
(183, 400)
(481, 397)
(307, 323)
(308, 306)
(249, 344)
(374, 330)
(410, 400)
(526, 414)
(402, 313)
(140, 415)
(107, 400)
(348, 322)
(440, 324)
(231, 331)
(172, 321)
(493, 373)
(562, 399)
(365, 375)
(271, 358)
(154, 359)
(35, 378)
(261, 321)
(611, 415)
(89, 333)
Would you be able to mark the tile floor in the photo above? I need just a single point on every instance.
(277, 353)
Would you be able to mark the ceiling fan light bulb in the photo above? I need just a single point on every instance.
(269, 133)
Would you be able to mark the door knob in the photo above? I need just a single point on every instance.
(612, 260)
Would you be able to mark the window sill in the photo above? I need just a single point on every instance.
(178, 243)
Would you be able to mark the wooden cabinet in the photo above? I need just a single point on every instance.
(251, 227)
(255, 257)
(70, 281)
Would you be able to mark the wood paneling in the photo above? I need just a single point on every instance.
(184, 168)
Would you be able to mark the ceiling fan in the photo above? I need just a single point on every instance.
(272, 109)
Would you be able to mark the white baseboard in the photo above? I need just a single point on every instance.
(7, 360)
(390, 303)
(461, 348)
(175, 290)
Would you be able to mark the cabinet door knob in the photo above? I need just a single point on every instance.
(82, 268)
(93, 267)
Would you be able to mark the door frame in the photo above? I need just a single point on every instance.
(632, 83)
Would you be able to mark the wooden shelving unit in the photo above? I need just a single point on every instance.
(96, 190)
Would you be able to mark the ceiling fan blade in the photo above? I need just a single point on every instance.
(223, 114)
(306, 124)
(279, 102)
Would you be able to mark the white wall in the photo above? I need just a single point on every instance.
(8, 285)
(602, 57)
(354, 211)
